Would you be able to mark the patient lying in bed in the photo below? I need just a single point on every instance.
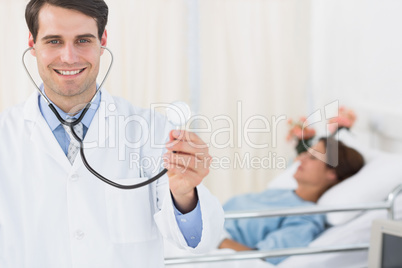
(324, 165)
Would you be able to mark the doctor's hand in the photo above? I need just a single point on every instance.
(187, 162)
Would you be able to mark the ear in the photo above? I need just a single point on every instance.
(31, 43)
(103, 40)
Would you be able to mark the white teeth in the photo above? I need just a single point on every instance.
(69, 72)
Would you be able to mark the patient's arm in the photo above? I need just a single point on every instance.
(229, 243)
(295, 231)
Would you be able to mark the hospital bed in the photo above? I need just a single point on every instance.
(374, 192)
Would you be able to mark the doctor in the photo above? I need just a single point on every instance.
(55, 213)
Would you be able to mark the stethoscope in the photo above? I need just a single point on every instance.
(182, 108)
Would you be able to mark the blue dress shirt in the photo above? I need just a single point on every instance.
(190, 224)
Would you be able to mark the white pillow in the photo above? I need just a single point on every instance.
(371, 184)
(381, 173)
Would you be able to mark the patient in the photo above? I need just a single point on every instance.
(318, 171)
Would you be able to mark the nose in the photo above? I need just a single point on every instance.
(69, 54)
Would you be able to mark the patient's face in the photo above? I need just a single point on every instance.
(313, 169)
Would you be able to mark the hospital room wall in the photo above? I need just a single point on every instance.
(14, 85)
(356, 58)
(251, 62)
(254, 68)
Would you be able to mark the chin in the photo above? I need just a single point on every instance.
(71, 91)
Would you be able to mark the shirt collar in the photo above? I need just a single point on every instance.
(52, 120)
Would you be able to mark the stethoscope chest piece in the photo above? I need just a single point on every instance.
(178, 113)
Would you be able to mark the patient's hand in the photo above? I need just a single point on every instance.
(229, 243)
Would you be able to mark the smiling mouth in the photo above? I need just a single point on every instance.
(69, 73)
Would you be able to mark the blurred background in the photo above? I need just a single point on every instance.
(244, 66)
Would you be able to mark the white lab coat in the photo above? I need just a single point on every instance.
(53, 214)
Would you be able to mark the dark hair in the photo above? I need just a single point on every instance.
(344, 160)
(96, 9)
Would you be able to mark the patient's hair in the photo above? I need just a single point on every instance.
(96, 9)
(344, 160)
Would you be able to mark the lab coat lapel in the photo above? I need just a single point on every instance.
(41, 133)
(97, 134)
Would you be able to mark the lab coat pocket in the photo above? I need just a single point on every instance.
(130, 213)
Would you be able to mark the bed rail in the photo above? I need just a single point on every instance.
(260, 254)
(388, 204)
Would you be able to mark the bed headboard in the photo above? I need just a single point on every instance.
(379, 128)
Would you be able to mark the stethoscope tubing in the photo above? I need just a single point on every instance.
(71, 125)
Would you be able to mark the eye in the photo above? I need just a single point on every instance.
(54, 42)
(83, 41)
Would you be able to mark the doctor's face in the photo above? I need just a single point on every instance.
(68, 53)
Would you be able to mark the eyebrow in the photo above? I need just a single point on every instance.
(48, 37)
(86, 36)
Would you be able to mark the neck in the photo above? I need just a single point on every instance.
(71, 104)
(310, 193)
